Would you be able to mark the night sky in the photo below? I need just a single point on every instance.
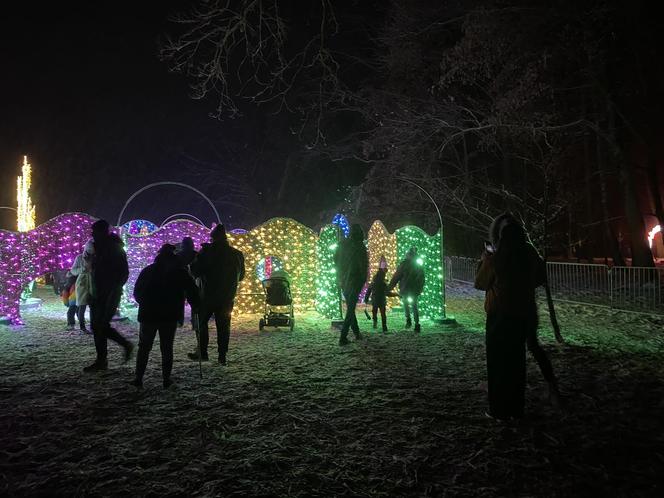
(84, 94)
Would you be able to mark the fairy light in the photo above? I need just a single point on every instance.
(651, 235)
(428, 252)
(342, 222)
(382, 244)
(285, 243)
(25, 209)
(327, 289)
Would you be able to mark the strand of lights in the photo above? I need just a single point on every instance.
(307, 258)
(428, 255)
(382, 244)
(327, 297)
(342, 222)
(138, 227)
(267, 266)
(24, 256)
(651, 235)
(25, 209)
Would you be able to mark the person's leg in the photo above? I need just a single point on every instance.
(406, 310)
(96, 322)
(222, 319)
(351, 310)
(544, 364)
(374, 314)
(71, 313)
(345, 327)
(81, 316)
(383, 317)
(416, 313)
(146, 337)
(515, 367)
(112, 303)
(497, 380)
(166, 339)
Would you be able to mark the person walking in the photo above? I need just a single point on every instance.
(220, 269)
(352, 266)
(160, 291)
(377, 293)
(82, 269)
(410, 278)
(509, 272)
(109, 273)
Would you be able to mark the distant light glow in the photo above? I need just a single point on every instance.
(651, 235)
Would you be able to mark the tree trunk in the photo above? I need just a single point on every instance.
(610, 237)
(653, 182)
(641, 253)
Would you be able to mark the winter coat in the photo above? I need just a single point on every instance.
(377, 290)
(109, 266)
(220, 268)
(161, 289)
(186, 257)
(81, 269)
(514, 301)
(352, 264)
(410, 277)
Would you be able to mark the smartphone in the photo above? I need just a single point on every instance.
(489, 247)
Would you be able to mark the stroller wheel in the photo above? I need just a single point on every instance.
(292, 324)
(261, 324)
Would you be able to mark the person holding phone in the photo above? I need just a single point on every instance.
(509, 274)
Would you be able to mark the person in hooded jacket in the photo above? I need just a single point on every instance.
(109, 273)
(510, 271)
(532, 261)
(160, 291)
(82, 269)
(410, 278)
(377, 293)
(352, 266)
(220, 269)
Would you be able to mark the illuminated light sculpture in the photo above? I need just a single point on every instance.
(24, 256)
(342, 222)
(138, 227)
(267, 266)
(431, 304)
(382, 244)
(327, 289)
(651, 235)
(307, 258)
(25, 215)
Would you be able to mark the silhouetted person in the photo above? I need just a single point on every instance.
(160, 290)
(352, 264)
(532, 342)
(109, 274)
(220, 268)
(187, 253)
(509, 276)
(410, 277)
(377, 292)
(69, 300)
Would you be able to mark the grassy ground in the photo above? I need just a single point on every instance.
(293, 414)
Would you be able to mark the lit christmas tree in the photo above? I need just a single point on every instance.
(25, 208)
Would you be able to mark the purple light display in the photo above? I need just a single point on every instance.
(25, 256)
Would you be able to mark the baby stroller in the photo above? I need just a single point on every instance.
(277, 295)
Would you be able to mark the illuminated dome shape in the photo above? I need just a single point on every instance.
(267, 265)
(342, 222)
(139, 228)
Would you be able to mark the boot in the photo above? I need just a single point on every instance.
(409, 324)
(222, 360)
(375, 323)
(137, 383)
(167, 383)
(97, 366)
(343, 341)
(129, 349)
(384, 328)
(417, 328)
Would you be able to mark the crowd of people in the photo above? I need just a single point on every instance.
(510, 270)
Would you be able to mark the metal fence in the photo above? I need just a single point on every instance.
(621, 287)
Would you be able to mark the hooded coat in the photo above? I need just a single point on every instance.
(109, 267)
(352, 262)
(161, 289)
(220, 268)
